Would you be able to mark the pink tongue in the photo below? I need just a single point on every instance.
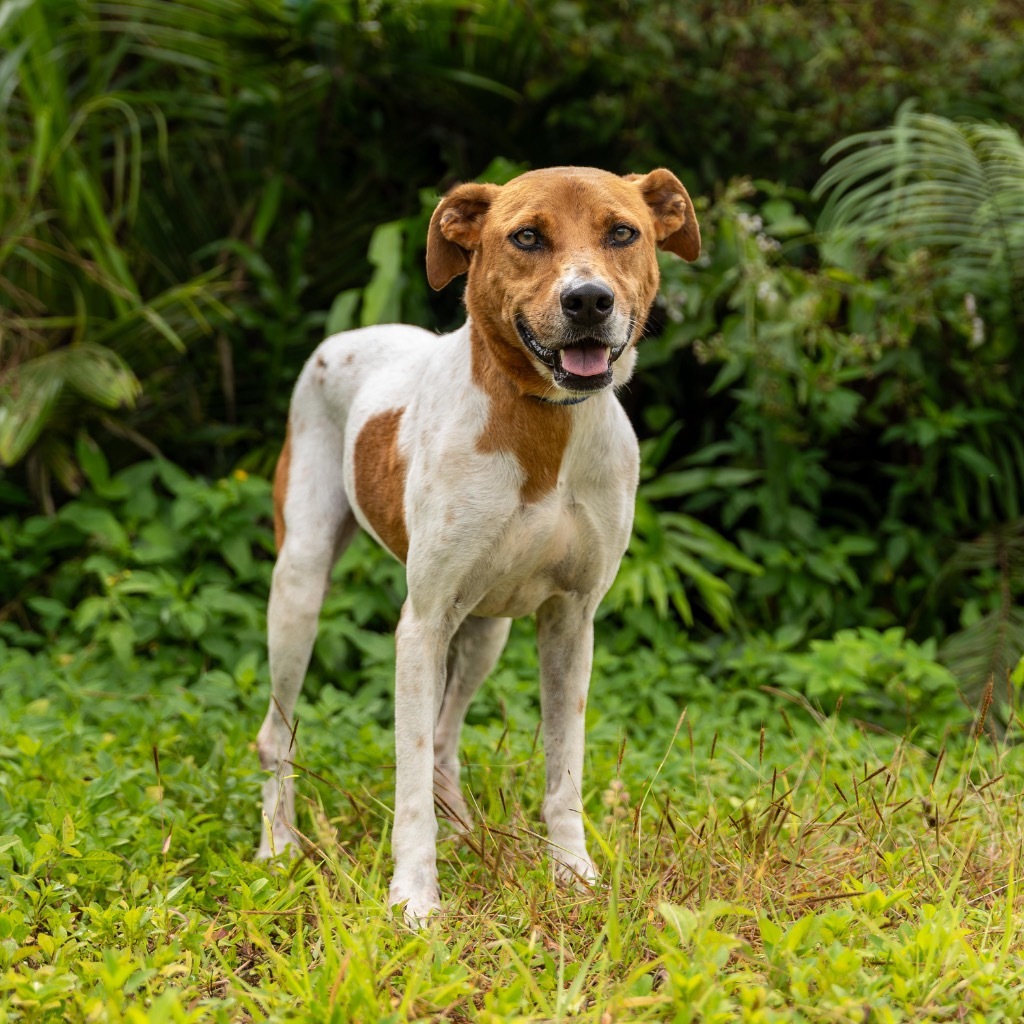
(585, 360)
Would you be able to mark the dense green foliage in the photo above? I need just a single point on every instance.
(193, 192)
(829, 541)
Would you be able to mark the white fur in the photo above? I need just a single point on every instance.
(478, 556)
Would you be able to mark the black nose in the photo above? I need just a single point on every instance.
(587, 303)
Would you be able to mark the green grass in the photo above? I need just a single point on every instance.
(809, 870)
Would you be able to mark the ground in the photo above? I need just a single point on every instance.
(779, 866)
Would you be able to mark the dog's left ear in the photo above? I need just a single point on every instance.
(455, 230)
(674, 218)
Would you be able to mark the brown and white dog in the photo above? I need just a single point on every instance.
(497, 464)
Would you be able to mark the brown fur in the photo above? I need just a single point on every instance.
(281, 472)
(453, 231)
(535, 433)
(380, 480)
(675, 221)
(574, 209)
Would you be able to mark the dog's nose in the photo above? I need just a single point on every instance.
(587, 303)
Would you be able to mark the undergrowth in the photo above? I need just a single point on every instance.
(806, 871)
(782, 834)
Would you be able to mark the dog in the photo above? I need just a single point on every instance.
(497, 464)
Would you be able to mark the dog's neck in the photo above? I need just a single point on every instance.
(500, 364)
(526, 418)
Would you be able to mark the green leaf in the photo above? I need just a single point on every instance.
(342, 315)
(121, 638)
(692, 481)
(26, 406)
(238, 554)
(96, 522)
(99, 375)
(92, 460)
(381, 295)
(976, 461)
(266, 213)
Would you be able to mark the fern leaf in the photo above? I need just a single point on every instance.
(954, 188)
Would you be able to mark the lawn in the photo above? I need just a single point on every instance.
(806, 870)
(760, 860)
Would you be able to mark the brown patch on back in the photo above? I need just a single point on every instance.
(534, 432)
(380, 480)
(281, 472)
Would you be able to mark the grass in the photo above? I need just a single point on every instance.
(808, 869)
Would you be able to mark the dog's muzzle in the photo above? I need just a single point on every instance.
(581, 365)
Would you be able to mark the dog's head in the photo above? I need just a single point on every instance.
(562, 265)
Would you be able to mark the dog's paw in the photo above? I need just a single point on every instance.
(418, 906)
(277, 844)
(573, 870)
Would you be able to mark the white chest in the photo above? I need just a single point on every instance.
(567, 543)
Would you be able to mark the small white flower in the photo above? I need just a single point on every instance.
(749, 224)
(977, 332)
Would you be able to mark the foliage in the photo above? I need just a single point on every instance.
(826, 395)
(989, 646)
(158, 573)
(955, 189)
(92, 303)
(166, 165)
(794, 872)
(946, 201)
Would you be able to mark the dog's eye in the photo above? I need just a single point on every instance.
(623, 234)
(527, 238)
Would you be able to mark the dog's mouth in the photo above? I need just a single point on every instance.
(583, 364)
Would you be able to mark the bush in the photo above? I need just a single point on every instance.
(270, 142)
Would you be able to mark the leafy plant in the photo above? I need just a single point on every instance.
(83, 318)
(953, 188)
(989, 644)
(943, 201)
(670, 552)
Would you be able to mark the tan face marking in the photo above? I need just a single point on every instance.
(575, 213)
(281, 471)
(380, 480)
(577, 216)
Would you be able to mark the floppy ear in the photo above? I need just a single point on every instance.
(455, 231)
(674, 218)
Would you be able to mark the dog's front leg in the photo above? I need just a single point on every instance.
(565, 641)
(421, 648)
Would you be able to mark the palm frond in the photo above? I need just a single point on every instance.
(988, 649)
(991, 646)
(955, 188)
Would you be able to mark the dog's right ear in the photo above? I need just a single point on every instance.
(455, 231)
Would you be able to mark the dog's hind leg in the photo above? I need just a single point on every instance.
(472, 655)
(314, 525)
